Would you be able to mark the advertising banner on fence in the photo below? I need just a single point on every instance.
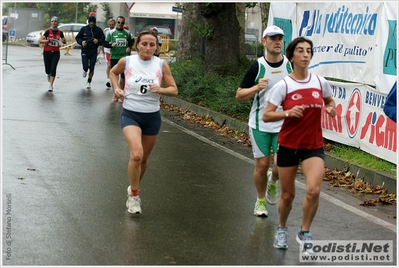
(360, 121)
(355, 42)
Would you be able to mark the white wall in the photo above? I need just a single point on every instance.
(164, 10)
(253, 20)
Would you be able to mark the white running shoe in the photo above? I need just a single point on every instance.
(305, 238)
(84, 74)
(88, 85)
(272, 190)
(260, 208)
(133, 203)
(280, 238)
(50, 88)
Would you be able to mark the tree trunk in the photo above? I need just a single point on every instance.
(240, 11)
(190, 42)
(264, 9)
(222, 43)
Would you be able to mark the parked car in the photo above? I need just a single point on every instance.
(4, 20)
(161, 30)
(250, 38)
(33, 37)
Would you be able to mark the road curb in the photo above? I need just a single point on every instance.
(371, 176)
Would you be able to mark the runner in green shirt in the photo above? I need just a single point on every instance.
(120, 41)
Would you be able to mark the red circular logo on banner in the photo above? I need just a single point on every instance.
(352, 116)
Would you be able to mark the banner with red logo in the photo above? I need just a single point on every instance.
(352, 41)
(360, 121)
(357, 42)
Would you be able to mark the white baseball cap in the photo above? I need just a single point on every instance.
(272, 30)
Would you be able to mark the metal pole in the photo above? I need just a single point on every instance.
(128, 18)
(5, 60)
(12, 20)
(76, 13)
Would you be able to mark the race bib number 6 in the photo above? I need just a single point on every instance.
(144, 89)
(140, 89)
(140, 85)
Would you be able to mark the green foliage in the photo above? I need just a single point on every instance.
(217, 92)
(179, 4)
(251, 5)
(361, 158)
(201, 29)
(254, 49)
(174, 45)
(7, 5)
(65, 11)
(225, 101)
(107, 11)
(265, 6)
(260, 49)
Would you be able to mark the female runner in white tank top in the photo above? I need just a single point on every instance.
(140, 116)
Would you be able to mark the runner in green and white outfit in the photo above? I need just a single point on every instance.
(120, 41)
(261, 76)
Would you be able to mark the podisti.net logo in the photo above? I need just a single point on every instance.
(354, 251)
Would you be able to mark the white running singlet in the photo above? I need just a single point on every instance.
(138, 75)
(258, 106)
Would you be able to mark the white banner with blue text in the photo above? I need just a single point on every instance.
(352, 41)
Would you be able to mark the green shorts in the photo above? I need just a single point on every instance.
(263, 143)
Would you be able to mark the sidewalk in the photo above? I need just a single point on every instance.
(332, 162)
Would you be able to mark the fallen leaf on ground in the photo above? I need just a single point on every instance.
(336, 178)
(370, 202)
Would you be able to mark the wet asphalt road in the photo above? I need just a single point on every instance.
(64, 180)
